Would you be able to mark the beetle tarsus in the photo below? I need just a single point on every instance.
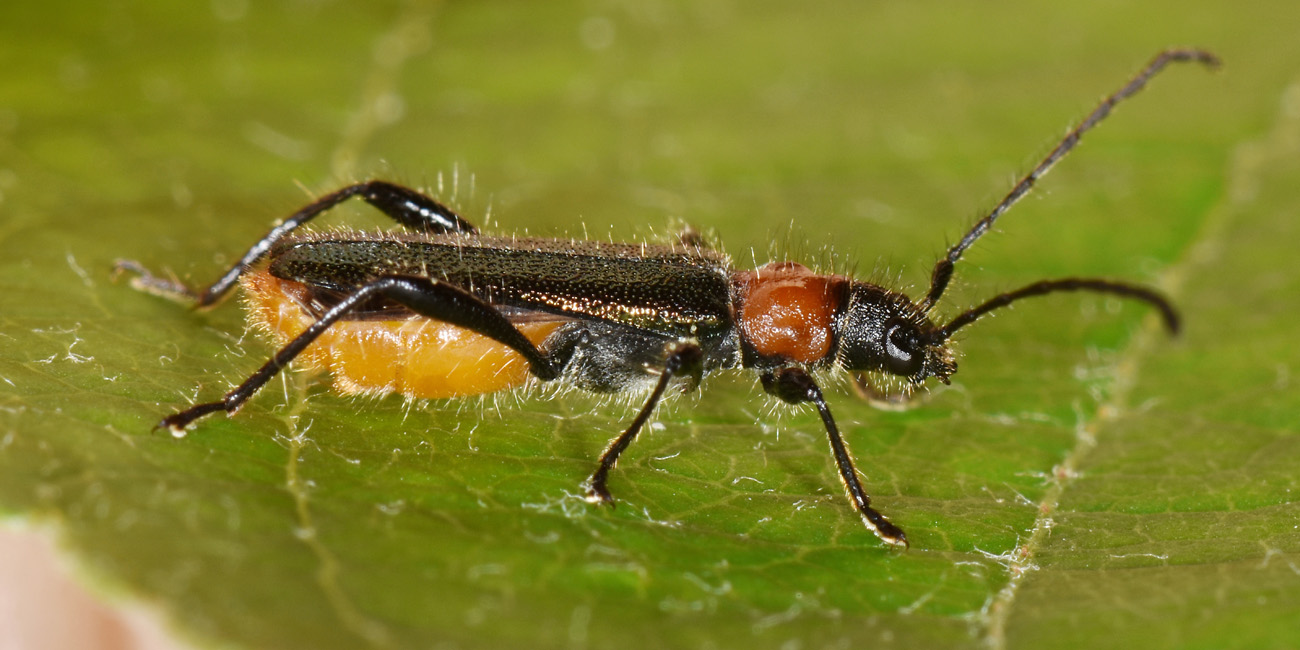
(888, 532)
(177, 423)
(142, 279)
(596, 492)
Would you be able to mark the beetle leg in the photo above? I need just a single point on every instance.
(404, 205)
(684, 358)
(796, 386)
(427, 297)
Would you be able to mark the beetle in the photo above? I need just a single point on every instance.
(443, 310)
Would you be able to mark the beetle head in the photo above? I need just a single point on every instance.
(882, 330)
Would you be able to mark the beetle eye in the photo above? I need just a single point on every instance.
(902, 356)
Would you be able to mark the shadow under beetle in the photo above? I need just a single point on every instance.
(445, 311)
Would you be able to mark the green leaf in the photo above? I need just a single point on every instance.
(1084, 481)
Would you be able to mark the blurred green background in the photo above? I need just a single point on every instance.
(1084, 482)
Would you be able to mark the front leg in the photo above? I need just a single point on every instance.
(684, 358)
(796, 386)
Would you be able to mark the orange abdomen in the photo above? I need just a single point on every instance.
(414, 356)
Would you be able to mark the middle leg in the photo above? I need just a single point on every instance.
(683, 359)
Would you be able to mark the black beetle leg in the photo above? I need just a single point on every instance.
(430, 298)
(683, 358)
(796, 386)
(404, 205)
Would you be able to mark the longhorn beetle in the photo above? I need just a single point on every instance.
(444, 311)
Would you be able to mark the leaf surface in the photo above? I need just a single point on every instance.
(1084, 479)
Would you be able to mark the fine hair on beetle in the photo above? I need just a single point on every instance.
(441, 309)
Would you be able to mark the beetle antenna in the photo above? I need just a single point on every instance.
(944, 267)
(1167, 312)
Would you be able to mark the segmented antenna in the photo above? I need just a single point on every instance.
(944, 267)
